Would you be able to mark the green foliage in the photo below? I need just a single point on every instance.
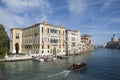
(2, 55)
(4, 41)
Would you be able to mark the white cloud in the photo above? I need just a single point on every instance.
(116, 19)
(34, 7)
(29, 9)
(25, 5)
(99, 32)
(21, 13)
(112, 32)
(94, 2)
(76, 6)
(92, 27)
(107, 4)
(10, 19)
(79, 6)
(22, 3)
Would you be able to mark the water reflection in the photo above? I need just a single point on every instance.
(102, 64)
(18, 66)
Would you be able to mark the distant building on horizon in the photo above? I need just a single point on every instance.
(114, 38)
(114, 43)
(119, 39)
(86, 43)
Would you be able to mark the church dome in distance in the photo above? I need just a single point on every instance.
(114, 38)
(119, 39)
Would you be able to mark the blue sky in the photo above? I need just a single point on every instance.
(99, 18)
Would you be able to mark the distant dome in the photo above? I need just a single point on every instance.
(114, 39)
(119, 39)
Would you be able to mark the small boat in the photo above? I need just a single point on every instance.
(48, 59)
(54, 58)
(38, 59)
(63, 57)
(77, 66)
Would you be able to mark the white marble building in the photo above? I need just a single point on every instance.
(73, 42)
(42, 38)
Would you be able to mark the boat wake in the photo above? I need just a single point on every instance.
(66, 72)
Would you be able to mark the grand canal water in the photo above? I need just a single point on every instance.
(103, 64)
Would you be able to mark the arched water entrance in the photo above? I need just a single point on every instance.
(17, 48)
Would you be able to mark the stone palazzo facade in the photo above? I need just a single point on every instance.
(46, 39)
(73, 42)
(86, 43)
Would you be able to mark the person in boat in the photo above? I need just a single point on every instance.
(73, 64)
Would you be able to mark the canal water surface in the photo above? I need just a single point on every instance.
(102, 64)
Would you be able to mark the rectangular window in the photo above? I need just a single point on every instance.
(59, 32)
(73, 38)
(42, 46)
(38, 29)
(73, 33)
(48, 30)
(73, 44)
(42, 29)
(48, 46)
(53, 41)
(17, 36)
(53, 31)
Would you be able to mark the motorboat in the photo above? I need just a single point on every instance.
(48, 58)
(38, 59)
(77, 66)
